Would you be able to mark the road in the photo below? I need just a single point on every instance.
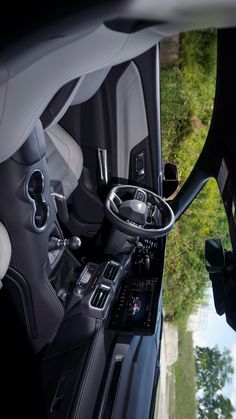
(169, 355)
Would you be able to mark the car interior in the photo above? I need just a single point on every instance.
(86, 204)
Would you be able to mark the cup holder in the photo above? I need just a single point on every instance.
(35, 190)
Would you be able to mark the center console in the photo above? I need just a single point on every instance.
(27, 210)
(107, 302)
(124, 293)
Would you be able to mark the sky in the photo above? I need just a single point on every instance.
(209, 329)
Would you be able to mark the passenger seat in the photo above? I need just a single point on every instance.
(5, 252)
(65, 159)
(63, 153)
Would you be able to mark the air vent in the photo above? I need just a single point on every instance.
(111, 271)
(100, 297)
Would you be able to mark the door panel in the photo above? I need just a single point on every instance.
(131, 117)
(121, 119)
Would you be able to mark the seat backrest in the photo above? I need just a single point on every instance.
(64, 158)
(63, 153)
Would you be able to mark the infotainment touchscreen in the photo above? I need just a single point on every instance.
(136, 307)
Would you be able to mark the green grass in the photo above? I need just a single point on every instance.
(185, 275)
(187, 97)
(171, 390)
(184, 369)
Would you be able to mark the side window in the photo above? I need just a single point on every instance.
(198, 334)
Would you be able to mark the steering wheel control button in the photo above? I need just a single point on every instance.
(141, 195)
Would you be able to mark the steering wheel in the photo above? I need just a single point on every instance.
(139, 212)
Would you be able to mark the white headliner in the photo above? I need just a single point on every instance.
(26, 89)
(24, 96)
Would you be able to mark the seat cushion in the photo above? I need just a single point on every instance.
(64, 158)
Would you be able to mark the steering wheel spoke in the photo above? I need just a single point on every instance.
(149, 222)
(140, 195)
(115, 202)
(156, 216)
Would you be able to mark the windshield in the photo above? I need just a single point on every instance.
(199, 337)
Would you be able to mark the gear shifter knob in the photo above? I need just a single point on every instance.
(73, 242)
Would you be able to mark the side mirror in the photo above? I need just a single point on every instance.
(215, 255)
(215, 264)
(221, 267)
(170, 179)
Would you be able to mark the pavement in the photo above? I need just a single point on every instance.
(169, 355)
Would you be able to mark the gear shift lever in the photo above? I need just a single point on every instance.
(72, 243)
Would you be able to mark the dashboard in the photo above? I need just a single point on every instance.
(124, 293)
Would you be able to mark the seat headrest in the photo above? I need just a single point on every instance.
(90, 85)
(59, 104)
(72, 93)
(34, 147)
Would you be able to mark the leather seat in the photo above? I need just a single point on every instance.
(5, 252)
(64, 155)
(65, 160)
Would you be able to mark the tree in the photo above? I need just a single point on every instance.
(219, 407)
(213, 370)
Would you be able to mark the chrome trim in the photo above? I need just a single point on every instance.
(111, 262)
(47, 218)
(33, 201)
(115, 359)
(58, 196)
(103, 167)
(102, 286)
